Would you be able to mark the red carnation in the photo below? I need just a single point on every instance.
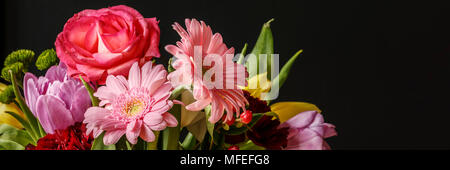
(266, 133)
(72, 138)
(255, 105)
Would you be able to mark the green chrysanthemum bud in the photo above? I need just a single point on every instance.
(17, 69)
(7, 96)
(47, 59)
(23, 56)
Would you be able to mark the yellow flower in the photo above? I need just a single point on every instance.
(285, 110)
(5, 117)
(258, 84)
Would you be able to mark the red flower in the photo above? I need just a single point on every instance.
(72, 138)
(265, 133)
(255, 105)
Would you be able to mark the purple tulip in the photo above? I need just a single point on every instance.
(56, 100)
(307, 131)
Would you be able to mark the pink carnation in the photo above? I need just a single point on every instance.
(199, 37)
(135, 107)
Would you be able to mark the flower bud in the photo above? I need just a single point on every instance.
(233, 147)
(246, 117)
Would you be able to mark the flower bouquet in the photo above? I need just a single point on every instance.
(103, 89)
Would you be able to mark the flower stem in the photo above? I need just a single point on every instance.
(171, 135)
(153, 145)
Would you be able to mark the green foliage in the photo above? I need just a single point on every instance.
(263, 46)
(91, 91)
(18, 69)
(7, 96)
(22, 56)
(17, 136)
(47, 59)
(18, 62)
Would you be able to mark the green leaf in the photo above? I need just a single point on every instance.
(264, 45)
(242, 55)
(11, 133)
(284, 73)
(7, 96)
(90, 90)
(10, 145)
(209, 125)
(25, 124)
(249, 145)
(98, 144)
(34, 123)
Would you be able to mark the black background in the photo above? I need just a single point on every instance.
(378, 70)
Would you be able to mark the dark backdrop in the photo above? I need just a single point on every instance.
(377, 70)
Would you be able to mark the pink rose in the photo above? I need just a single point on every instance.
(97, 43)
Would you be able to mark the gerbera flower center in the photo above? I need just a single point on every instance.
(133, 107)
(133, 103)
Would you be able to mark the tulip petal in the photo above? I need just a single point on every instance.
(53, 114)
(286, 110)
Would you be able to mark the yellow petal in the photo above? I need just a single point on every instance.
(286, 110)
(8, 119)
(5, 117)
(258, 84)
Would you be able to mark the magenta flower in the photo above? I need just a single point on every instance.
(199, 37)
(57, 100)
(135, 107)
(307, 131)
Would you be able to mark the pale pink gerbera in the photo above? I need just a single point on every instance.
(228, 98)
(136, 107)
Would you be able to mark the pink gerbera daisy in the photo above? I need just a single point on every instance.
(136, 107)
(199, 36)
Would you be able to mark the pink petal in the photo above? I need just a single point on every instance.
(158, 127)
(107, 58)
(53, 114)
(115, 85)
(198, 105)
(147, 134)
(93, 73)
(134, 77)
(111, 137)
(153, 119)
(170, 120)
(133, 131)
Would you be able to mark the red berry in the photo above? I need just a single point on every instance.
(246, 117)
(233, 147)
(230, 122)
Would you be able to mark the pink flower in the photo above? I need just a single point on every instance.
(190, 72)
(97, 43)
(307, 131)
(56, 99)
(135, 107)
